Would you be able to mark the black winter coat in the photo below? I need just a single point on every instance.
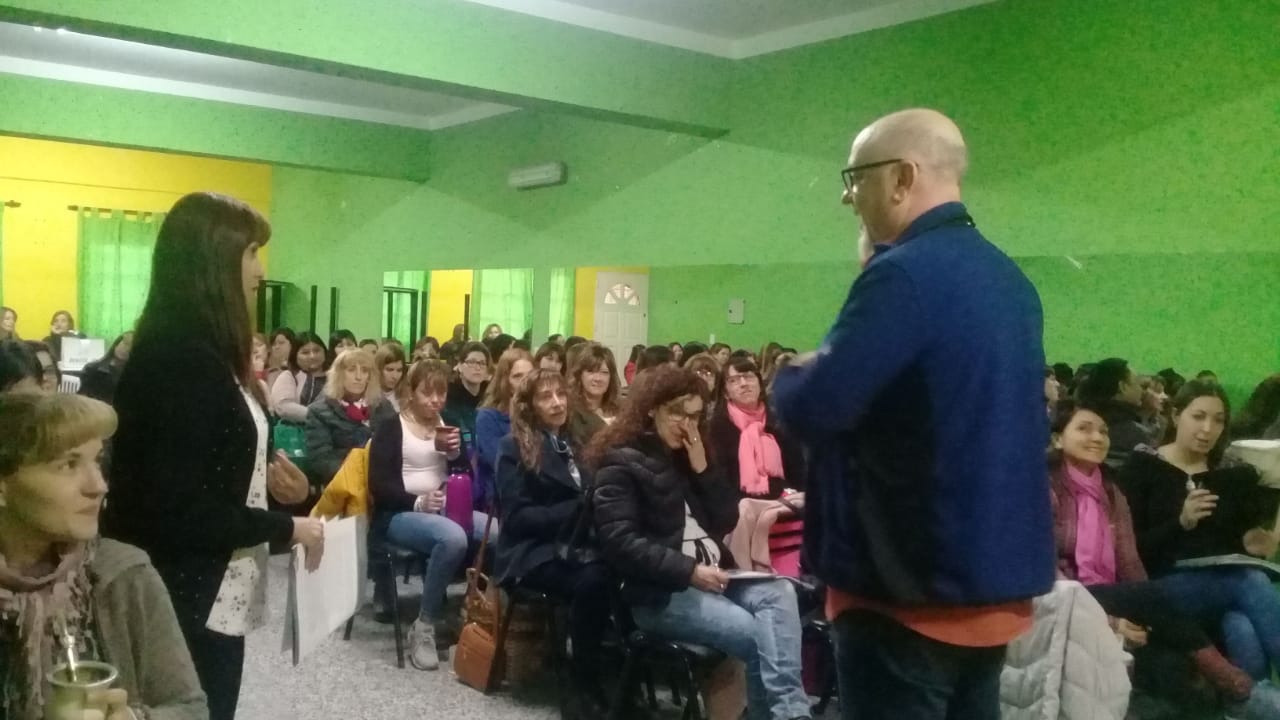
(331, 435)
(183, 461)
(540, 510)
(639, 515)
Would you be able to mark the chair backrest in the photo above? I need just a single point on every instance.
(70, 385)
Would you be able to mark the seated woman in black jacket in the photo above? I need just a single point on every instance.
(338, 422)
(660, 512)
(1174, 519)
(545, 543)
(746, 442)
(411, 460)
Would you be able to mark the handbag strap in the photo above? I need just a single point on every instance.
(484, 544)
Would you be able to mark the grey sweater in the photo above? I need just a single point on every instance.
(138, 633)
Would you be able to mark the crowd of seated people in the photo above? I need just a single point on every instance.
(606, 481)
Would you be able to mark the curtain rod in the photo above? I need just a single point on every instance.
(77, 208)
(12, 203)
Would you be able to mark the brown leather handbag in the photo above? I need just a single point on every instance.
(475, 659)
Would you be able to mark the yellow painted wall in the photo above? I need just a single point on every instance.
(39, 238)
(584, 296)
(446, 304)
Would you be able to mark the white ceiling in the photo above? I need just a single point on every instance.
(733, 28)
(62, 55)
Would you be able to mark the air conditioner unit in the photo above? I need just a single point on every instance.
(537, 176)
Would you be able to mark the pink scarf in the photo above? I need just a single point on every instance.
(1095, 545)
(759, 457)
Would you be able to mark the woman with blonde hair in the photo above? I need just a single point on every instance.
(593, 392)
(57, 574)
(493, 421)
(340, 421)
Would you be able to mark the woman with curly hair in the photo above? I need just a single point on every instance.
(544, 543)
(660, 509)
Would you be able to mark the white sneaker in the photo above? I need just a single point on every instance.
(422, 646)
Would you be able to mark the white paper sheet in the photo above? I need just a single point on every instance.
(322, 601)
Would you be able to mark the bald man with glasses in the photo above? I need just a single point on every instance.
(929, 515)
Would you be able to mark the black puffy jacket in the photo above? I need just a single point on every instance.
(639, 514)
(330, 436)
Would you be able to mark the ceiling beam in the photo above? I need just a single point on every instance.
(58, 110)
(449, 46)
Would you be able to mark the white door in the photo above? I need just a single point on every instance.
(622, 313)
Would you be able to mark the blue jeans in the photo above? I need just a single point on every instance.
(756, 622)
(445, 544)
(889, 672)
(1242, 602)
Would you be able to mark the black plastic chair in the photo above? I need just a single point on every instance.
(383, 561)
(690, 663)
(643, 652)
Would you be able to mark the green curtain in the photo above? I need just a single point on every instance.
(561, 302)
(403, 321)
(114, 260)
(504, 297)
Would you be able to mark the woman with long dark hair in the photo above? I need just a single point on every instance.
(746, 439)
(660, 510)
(594, 390)
(544, 543)
(293, 392)
(62, 325)
(1260, 416)
(190, 472)
(1167, 493)
(280, 348)
(1093, 532)
(629, 371)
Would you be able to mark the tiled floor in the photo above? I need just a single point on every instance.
(358, 680)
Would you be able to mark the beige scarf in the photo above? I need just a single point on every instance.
(32, 611)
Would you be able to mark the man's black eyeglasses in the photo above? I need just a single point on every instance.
(849, 174)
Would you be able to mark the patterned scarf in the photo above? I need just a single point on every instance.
(358, 411)
(32, 612)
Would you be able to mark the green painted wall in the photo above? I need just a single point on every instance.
(1157, 311)
(57, 110)
(1189, 312)
(792, 303)
(1095, 129)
